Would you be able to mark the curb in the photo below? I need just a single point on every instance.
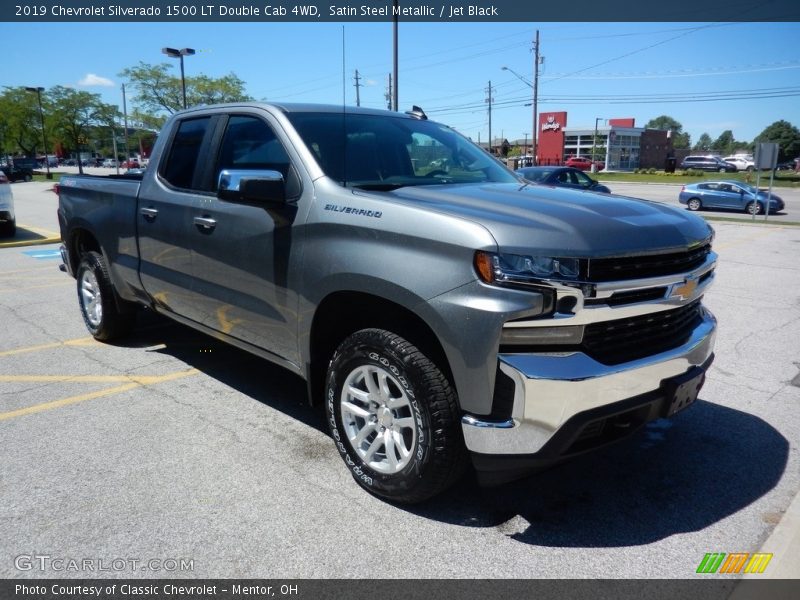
(748, 221)
(36, 242)
(784, 544)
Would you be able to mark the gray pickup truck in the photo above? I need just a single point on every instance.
(442, 309)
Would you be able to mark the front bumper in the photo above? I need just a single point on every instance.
(561, 399)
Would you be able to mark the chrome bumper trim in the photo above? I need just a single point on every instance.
(551, 388)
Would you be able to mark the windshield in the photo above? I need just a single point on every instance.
(750, 188)
(380, 152)
(535, 174)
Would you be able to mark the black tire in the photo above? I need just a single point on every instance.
(106, 317)
(722, 169)
(435, 452)
(28, 178)
(8, 229)
(694, 204)
(751, 206)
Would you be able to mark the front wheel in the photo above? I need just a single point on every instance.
(754, 208)
(694, 204)
(101, 314)
(394, 417)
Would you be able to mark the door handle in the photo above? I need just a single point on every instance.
(205, 223)
(149, 214)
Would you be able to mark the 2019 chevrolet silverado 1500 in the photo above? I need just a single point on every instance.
(441, 308)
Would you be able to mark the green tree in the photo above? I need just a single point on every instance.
(76, 114)
(725, 143)
(703, 143)
(20, 122)
(667, 123)
(786, 135)
(159, 93)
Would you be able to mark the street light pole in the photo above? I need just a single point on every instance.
(594, 143)
(38, 91)
(175, 53)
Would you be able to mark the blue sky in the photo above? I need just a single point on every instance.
(591, 70)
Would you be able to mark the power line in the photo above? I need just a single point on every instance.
(724, 95)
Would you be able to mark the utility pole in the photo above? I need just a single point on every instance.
(357, 84)
(388, 94)
(489, 102)
(395, 60)
(535, 96)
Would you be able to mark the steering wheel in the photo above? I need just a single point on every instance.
(437, 173)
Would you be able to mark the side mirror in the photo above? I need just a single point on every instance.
(251, 185)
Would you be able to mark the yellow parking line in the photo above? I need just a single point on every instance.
(36, 242)
(84, 341)
(36, 408)
(38, 230)
(139, 379)
(65, 402)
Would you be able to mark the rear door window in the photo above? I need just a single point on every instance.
(181, 165)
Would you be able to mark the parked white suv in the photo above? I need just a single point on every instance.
(8, 221)
(743, 163)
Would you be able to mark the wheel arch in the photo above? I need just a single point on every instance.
(79, 242)
(342, 313)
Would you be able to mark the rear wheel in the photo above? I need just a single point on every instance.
(694, 204)
(394, 417)
(754, 208)
(104, 317)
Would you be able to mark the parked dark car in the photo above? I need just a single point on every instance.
(789, 165)
(708, 163)
(15, 173)
(733, 195)
(562, 177)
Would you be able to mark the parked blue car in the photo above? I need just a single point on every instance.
(733, 195)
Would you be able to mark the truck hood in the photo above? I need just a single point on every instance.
(538, 218)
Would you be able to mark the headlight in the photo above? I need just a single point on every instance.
(519, 270)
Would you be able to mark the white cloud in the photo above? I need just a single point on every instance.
(95, 80)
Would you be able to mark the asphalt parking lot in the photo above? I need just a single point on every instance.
(174, 448)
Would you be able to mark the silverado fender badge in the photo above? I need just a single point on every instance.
(360, 212)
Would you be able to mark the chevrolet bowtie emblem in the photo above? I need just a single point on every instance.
(685, 289)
